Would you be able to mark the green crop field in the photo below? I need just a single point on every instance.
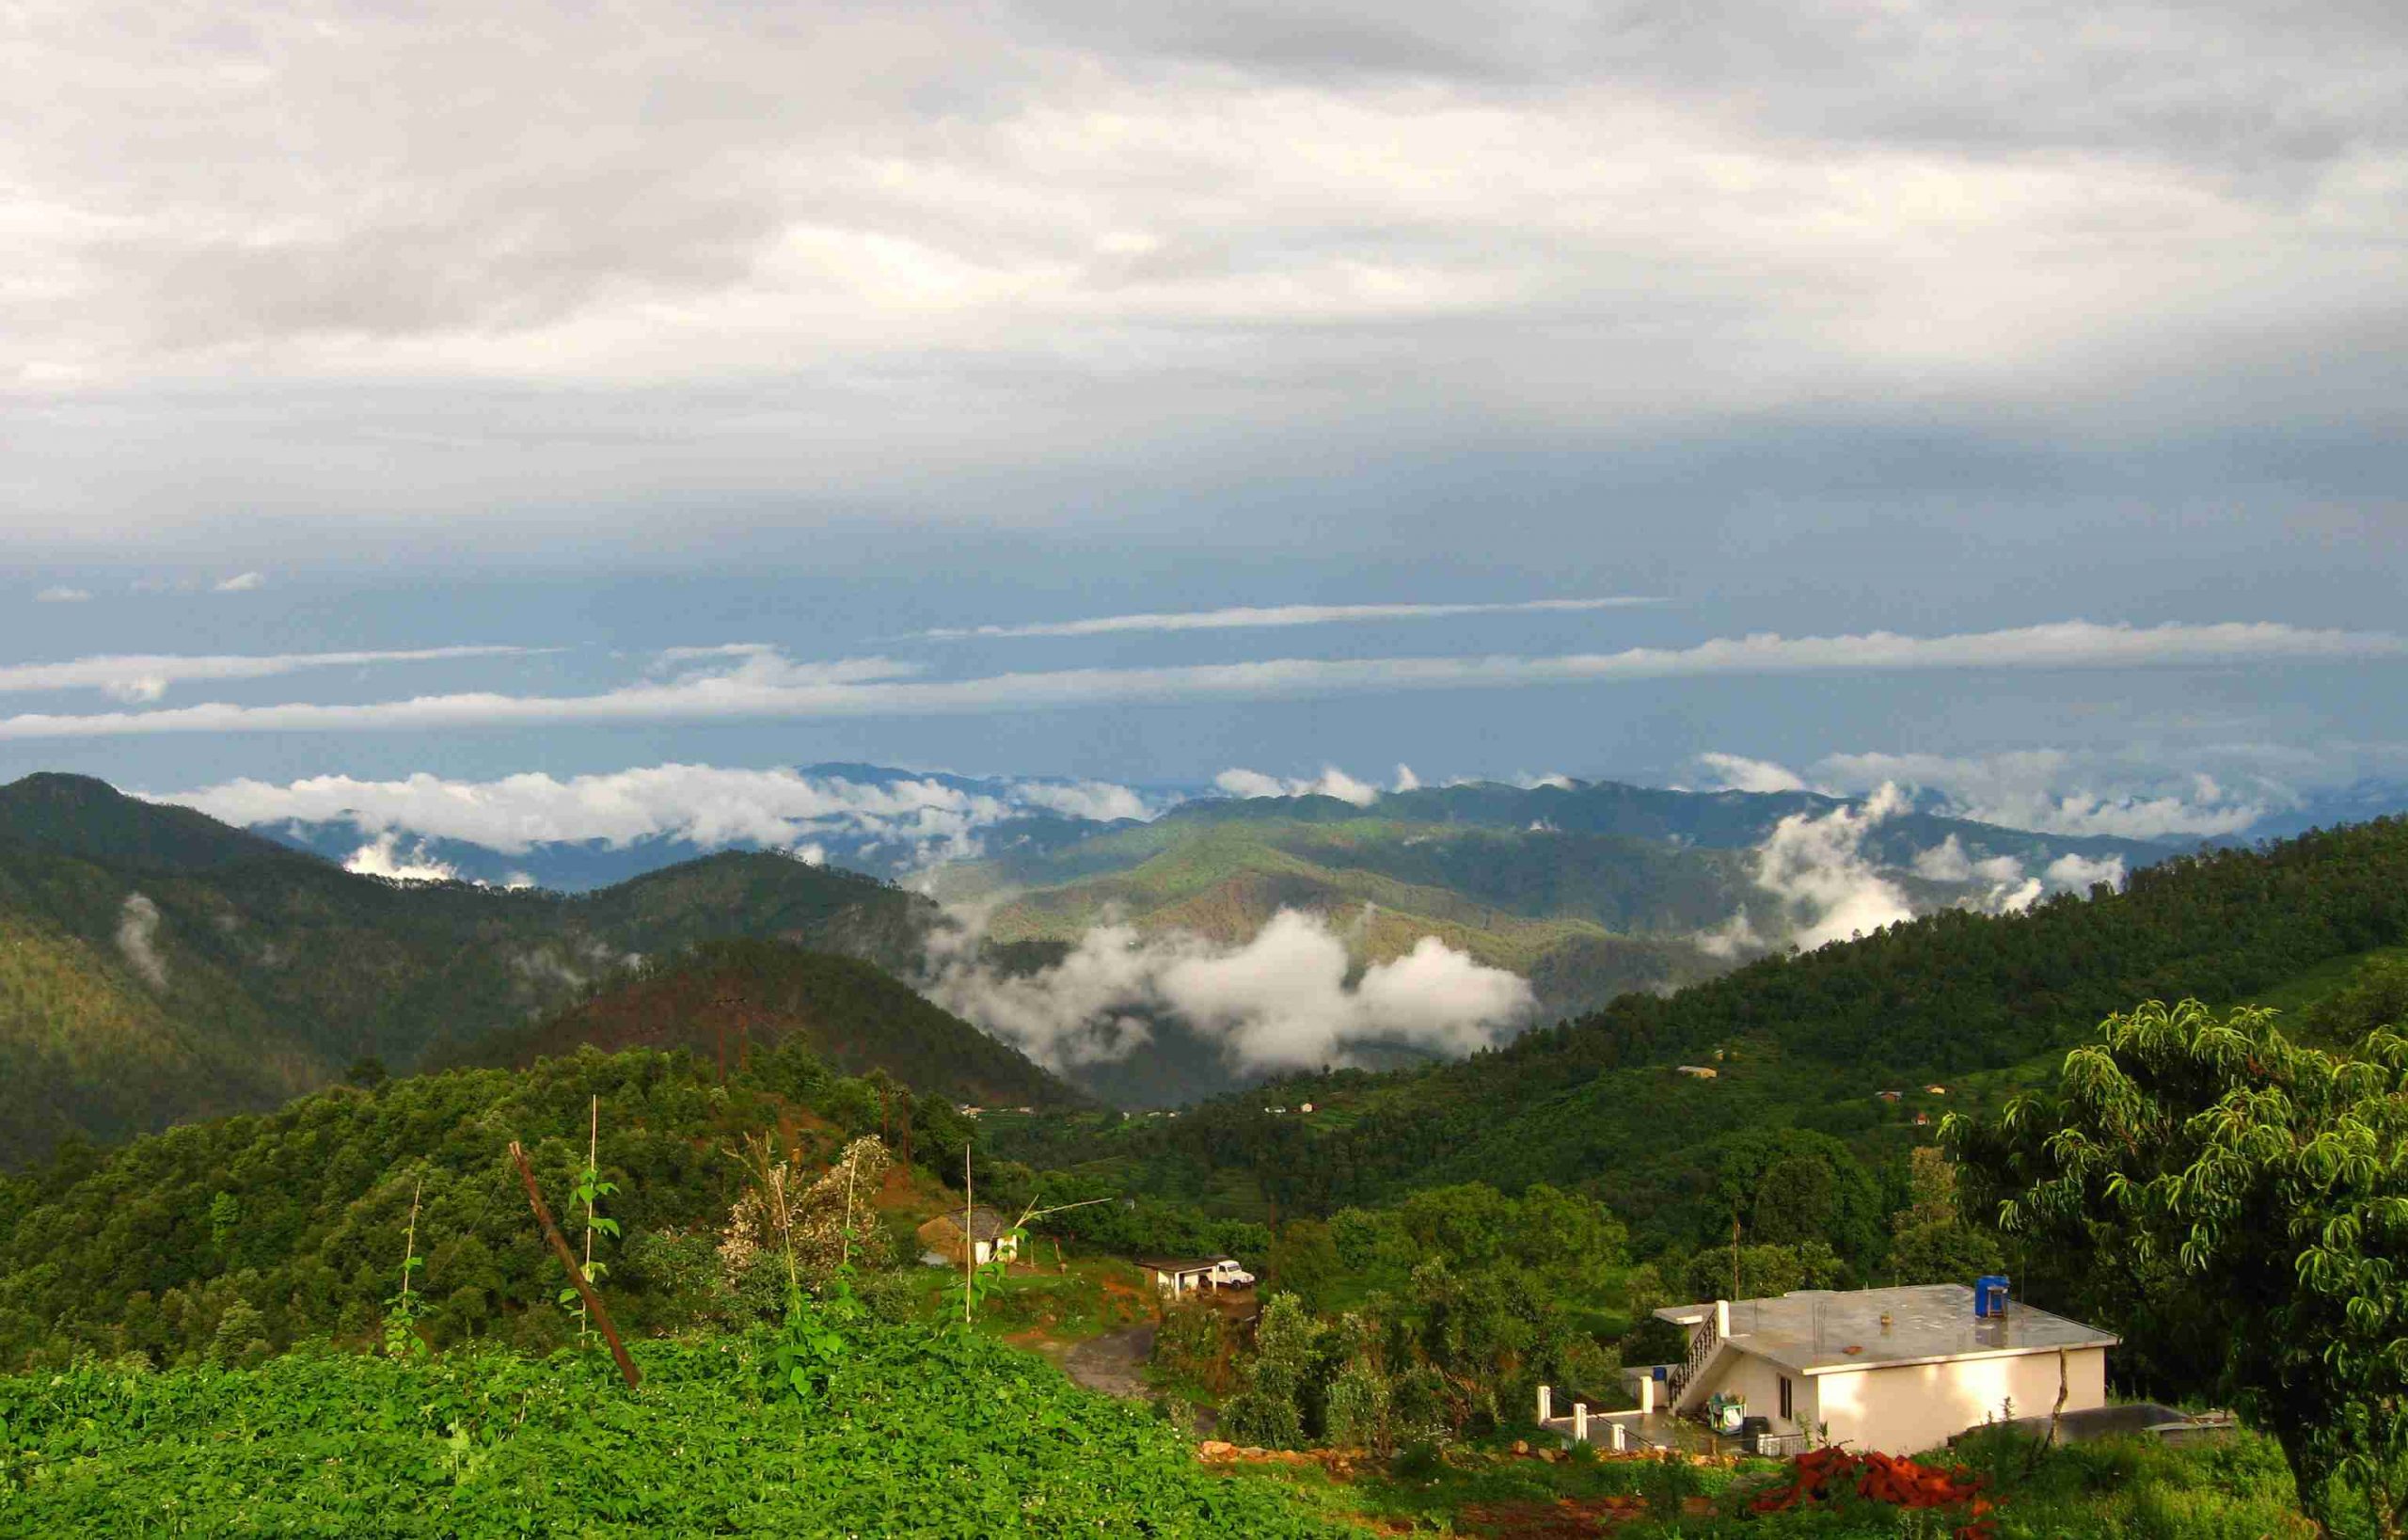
(917, 1434)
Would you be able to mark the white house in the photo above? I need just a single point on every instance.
(1177, 1277)
(1896, 1370)
(983, 1239)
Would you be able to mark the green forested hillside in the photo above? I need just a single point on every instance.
(1955, 999)
(724, 1001)
(290, 1224)
(155, 965)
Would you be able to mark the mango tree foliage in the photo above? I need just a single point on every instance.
(2265, 1186)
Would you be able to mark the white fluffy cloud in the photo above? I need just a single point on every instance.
(766, 685)
(1279, 1001)
(62, 595)
(384, 857)
(1815, 867)
(1731, 773)
(2080, 872)
(705, 805)
(242, 582)
(1331, 782)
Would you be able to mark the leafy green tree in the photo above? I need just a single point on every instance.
(1467, 1225)
(1930, 1241)
(1304, 1262)
(2267, 1182)
(1278, 1407)
(1565, 1236)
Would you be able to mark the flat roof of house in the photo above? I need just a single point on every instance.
(1818, 1331)
(1182, 1264)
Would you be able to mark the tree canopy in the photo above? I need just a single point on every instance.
(2244, 1200)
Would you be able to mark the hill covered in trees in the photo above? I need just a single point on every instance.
(227, 1238)
(156, 965)
(724, 1001)
(1969, 1002)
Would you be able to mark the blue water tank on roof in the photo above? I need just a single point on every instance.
(1989, 1296)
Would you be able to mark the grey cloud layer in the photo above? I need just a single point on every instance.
(767, 685)
(764, 248)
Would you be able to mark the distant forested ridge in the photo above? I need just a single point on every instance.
(1804, 1040)
(156, 965)
(724, 1001)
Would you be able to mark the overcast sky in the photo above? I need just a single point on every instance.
(414, 386)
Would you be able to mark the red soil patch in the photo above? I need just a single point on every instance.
(1820, 1474)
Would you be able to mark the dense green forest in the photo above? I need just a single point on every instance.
(223, 1241)
(727, 1000)
(157, 966)
(1966, 1001)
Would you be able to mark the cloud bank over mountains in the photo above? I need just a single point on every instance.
(2051, 791)
(923, 819)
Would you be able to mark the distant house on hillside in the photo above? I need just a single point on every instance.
(987, 1238)
(1935, 1091)
(1697, 1071)
(1896, 1370)
(1889, 1096)
(1176, 1277)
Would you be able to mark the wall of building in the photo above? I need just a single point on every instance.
(1759, 1381)
(1907, 1409)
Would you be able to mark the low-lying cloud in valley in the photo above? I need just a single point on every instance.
(1281, 1001)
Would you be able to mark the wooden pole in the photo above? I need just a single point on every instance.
(576, 1274)
(969, 1246)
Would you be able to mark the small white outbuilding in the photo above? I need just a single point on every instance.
(1896, 1370)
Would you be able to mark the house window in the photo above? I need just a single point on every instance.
(1786, 1414)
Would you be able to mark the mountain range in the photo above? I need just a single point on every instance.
(156, 965)
(1587, 889)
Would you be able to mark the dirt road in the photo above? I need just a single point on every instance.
(1113, 1363)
